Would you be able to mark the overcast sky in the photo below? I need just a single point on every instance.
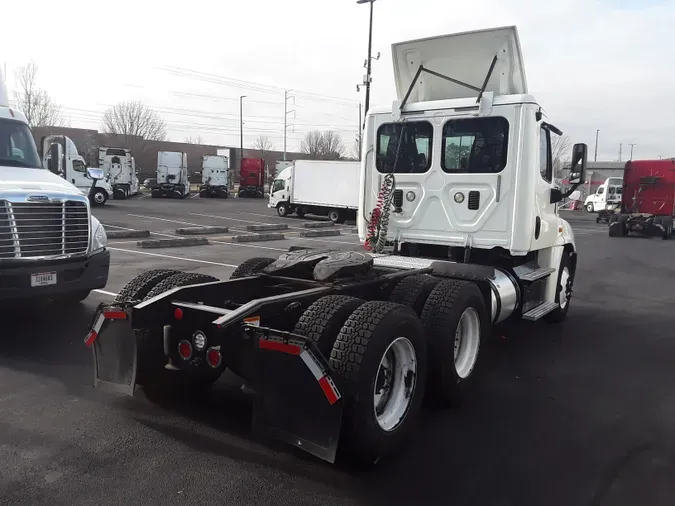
(592, 64)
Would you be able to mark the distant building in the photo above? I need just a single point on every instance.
(88, 142)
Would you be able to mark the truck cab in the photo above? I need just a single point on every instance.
(65, 161)
(120, 169)
(460, 166)
(607, 195)
(51, 247)
(172, 175)
(280, 190)
(215, 169)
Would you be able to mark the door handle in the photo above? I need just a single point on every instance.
(73, 180)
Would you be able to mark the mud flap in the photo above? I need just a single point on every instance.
(296, 399)
(113, 343)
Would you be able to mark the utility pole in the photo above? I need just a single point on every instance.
(631, 150)
(241, 130)
(620, 147)
(286, 113)
(360, 131)
(597, 133)
(368, 78)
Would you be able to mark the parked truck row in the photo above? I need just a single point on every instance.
(340, 348)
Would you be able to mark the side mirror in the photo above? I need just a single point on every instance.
(578, 165)
(95, 174)
(54, 162)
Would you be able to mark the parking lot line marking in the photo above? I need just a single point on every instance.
(175, 258)
(104, 292)
(165, 219)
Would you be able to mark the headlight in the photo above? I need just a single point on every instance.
(99, 239)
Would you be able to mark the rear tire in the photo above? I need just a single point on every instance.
(380, 358)
(140, 286)
(456, 324)
(413, 291)
(321, 322)
(251, 267)
(617, 228)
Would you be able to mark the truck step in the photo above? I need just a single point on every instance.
(540, 311)
(399, 262)
(532, 272)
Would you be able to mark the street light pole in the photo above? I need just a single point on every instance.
(241, 130)
(370, 48)
(595, 158)
(631, 150)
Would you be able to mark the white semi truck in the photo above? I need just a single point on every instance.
(215, 170)
(172, 176)
(120, 168)
(458, 214)
(607, 195)
(51, 247)
(60, 156)
(321, 187)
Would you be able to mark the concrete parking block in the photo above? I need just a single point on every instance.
(319, 233)
(318, 224)
(126, 234)
(202, 230)
(257, 237)
(265, 228)
(173, 243)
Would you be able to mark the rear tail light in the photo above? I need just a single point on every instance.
(185, 350)
(213, 357)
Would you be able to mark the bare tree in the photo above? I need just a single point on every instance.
(560, 146)
(196, 140)
(263, 144)
(323, 145)
(35, 102)
(134, 122)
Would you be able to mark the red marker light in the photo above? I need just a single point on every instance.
(178, 313)
(213, 357)
(185, 350)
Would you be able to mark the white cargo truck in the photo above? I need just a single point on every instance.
(458, 214)
(172, 175)
(607, 195)
(214, 176)
(120, 168)
(51, 247)
(321, 187)
(60, 156)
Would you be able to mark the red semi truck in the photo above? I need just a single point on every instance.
(648, 202)
(252, 178)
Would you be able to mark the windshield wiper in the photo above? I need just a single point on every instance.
(16, 163)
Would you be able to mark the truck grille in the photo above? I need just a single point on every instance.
(29, 230)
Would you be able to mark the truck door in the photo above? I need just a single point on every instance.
(77, 174)
(546, 219)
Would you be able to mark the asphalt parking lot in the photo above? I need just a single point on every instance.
(579, 414)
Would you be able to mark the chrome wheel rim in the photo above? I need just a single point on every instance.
(564, 287)
(395, 384)
(467, 342)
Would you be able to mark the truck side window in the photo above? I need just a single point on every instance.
(601, 191)
(78, 166)
(407, 144)
(278, 185)
(545, 158)
(476, 145)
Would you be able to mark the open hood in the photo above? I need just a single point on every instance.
(464, 57)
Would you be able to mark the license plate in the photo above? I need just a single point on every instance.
(43, 279)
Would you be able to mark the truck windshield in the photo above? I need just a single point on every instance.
(476, 145)
(407, 145)
(279, 184)
(17, 147)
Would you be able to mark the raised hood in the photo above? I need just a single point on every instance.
(39, 180)
(464, 57)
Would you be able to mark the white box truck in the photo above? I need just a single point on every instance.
(119, 166)
(172, 175)
(322, 187)
(214, 176)
(51, 247)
